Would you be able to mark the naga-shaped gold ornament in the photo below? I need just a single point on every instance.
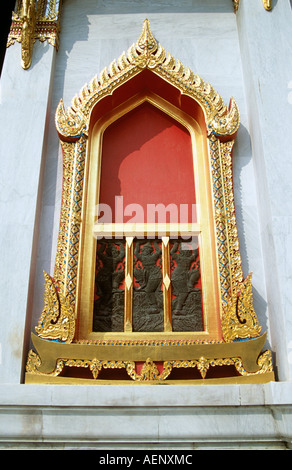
(28, 18)
(239, 319)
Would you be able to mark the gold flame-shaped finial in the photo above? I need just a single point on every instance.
(146, 43)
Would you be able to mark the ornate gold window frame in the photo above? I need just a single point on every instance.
(204, 229)
(63, 337)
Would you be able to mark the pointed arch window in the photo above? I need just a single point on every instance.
(146, 175)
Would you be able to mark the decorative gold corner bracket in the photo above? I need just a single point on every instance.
(57, 321)
(268, 5)
(34, 20)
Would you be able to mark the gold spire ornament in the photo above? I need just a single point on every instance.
(146, 44)
(27, 34)
(235, 5)
(268, 5)
(240, 320)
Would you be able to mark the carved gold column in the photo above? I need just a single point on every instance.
(27, 35)
(128, 285)
(32, 20)
(166, 284)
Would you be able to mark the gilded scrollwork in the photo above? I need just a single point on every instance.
(34, 362)
(57, 321)
(232, 243)
(149, 370)
(264, 362)
(66, 262)
(203, 364)
(239, 319)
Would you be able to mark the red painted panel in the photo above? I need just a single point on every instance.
(147, 159)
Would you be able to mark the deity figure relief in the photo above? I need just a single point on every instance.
(185, 277)
(148, 274)
(110, 273)
(147, 296)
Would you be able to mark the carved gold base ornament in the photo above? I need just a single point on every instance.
(228, 348)
(53, 361)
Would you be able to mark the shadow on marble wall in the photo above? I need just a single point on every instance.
(39, 51)
(241, 158)
(247, 224)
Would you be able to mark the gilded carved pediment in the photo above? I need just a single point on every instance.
(146, 53)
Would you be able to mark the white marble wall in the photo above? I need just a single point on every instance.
(146, 417)
(24, 105)
(266, 44)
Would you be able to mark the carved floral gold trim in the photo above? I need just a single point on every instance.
(149, 371)
(239, 320)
